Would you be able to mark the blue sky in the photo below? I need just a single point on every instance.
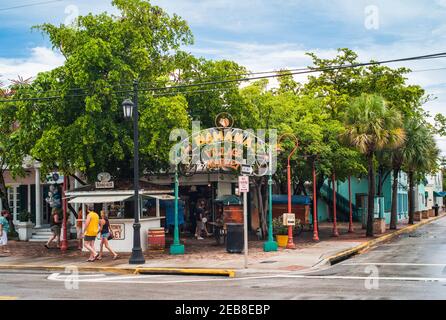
(260, 34)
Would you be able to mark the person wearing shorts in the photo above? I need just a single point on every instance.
(91, 232)
(55, 224)
(105, 231)
(4, 229)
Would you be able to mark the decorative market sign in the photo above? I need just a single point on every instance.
(118, 231)
(104, 181)
(54, 178)
(224, 148)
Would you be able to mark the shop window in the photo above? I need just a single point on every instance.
(12, 204)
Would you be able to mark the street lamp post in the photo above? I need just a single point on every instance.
(64, 241)
(270, 245)
(335, 222)
(315, 218)
(290, 244)
(130, 108)
(350, 225)
(176, 248)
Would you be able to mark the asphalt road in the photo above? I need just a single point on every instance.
(411, 267)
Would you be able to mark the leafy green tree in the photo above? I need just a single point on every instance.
(421, 157)
(84, 129)
(372, 126)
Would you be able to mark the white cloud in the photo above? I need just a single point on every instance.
(41, 59)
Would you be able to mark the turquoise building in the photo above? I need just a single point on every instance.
(359, 188)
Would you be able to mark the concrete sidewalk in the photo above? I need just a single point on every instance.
(204, 257)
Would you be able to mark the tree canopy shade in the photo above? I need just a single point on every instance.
(421, 156)
(85, 130)
(372, 126)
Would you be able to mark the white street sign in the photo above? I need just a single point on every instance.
(247, 170)
(243, 184)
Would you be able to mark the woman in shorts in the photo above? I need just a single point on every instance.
(55, 224)
(105, 232)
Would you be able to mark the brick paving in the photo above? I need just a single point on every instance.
(195, 249)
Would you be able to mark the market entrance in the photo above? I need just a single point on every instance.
(219, 150)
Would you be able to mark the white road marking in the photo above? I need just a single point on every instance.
(371, 278)
(97, 278)
(56, 277)
(137, 279)
(397, 264)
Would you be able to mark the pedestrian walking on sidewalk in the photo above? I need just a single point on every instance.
(91, 232)
(105, 236)
(55, 223)
(4, 229)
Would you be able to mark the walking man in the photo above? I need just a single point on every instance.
(91, 232)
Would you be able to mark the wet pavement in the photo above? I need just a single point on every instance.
(410, 267)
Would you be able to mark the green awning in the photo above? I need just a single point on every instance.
(229, 200)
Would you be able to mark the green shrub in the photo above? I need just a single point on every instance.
(24, 216)
(278, 227)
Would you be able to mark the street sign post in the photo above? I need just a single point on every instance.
(247, 170)
(243, 184)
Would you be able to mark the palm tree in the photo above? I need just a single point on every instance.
(370, 127)
(397, 163)
(421, 156)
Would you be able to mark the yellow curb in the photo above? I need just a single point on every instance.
(372, 243)
(137, 270)
(188, 271)
(8, 298)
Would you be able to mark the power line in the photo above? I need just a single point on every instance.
(428, 70)
(246, 79)
(30, 5)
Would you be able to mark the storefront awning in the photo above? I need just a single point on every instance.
(165, 197)
(439, 194)
(100, 199)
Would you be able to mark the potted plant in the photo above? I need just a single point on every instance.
(24, 226)
(281, 232)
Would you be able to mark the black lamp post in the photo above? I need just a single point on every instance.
(131, 108)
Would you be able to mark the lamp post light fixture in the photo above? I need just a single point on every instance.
(127, 108)
(130, 109)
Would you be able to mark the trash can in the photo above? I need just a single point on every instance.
(234, 238)
(156, 239)
(437, 209)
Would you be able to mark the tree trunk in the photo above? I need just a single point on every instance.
(371, 204)
(394, 213)
(411, 201)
